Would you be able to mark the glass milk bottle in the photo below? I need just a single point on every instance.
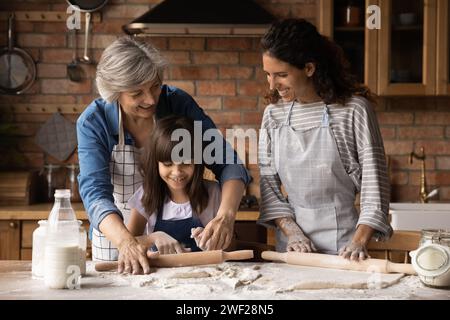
(62, 245)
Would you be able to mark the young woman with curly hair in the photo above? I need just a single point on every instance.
(321, 142)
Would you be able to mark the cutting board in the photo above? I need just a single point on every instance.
(57, 137)
(18, 188)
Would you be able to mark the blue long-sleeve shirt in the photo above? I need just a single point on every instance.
(98, 132)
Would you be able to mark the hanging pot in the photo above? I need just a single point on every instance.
(17, 68)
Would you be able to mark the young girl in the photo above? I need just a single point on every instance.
(174, 203)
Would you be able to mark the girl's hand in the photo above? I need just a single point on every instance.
(166, 244)
(196, 234)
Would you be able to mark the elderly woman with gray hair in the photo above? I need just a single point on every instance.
(111, 132)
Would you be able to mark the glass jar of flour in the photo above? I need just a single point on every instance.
(431, 260)
(62, 245)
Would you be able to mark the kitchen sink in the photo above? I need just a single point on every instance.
(418, 216)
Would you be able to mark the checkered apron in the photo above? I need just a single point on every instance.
(318, 187)
(126, 179)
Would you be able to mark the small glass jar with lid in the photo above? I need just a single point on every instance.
(37, 259)
(437, 236)
(431, 260)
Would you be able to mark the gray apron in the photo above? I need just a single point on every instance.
(126, 179)
(319, 189)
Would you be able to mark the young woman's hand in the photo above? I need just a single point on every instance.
(166, 244)
(300, 243)
(354, 251)
(296, 239)
(356, 248)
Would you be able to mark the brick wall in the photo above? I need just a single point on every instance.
(223, 74)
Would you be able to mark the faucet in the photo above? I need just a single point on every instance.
(423, 195)
(421, 157)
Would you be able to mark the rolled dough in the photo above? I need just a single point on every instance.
(286, 278)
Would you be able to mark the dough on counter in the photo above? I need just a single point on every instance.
(292, 278)
(189, 275)
(236, 276)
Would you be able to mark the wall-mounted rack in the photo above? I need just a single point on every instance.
(47, 16)
(42, 108)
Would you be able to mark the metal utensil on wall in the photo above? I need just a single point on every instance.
(87, 6)
(73, 68)
(17, 67)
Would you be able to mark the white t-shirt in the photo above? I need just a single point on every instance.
(178, 211)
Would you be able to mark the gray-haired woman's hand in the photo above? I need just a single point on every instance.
(133, 257)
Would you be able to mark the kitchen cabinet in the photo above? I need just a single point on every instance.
(443, 52)
(359, 43)
(408, 55)
(407, 47)
(9, 240)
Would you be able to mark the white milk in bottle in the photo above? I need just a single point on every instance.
(62, 245)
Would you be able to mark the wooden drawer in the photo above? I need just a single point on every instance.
(28, 226)
(10, 240)
(26, 254)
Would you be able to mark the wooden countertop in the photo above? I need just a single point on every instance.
(42, 210)
(275, 281)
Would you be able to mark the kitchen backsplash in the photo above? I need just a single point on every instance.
(225, 77)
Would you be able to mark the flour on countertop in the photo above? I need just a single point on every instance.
(276, 281)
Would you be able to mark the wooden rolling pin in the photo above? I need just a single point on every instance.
(337, 262)
(186, 259)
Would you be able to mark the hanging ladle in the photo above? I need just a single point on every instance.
(73, 69)
(86, 58)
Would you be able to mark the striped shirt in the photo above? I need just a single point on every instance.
(360, 147)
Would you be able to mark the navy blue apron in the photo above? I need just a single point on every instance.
(179, 230)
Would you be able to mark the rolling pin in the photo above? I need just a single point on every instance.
(337, 262)
(185, 259)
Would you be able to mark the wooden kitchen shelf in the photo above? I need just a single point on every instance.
(42, 108)
(46, 16)
(42, 210)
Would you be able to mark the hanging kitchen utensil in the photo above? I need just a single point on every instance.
(73, 69)
(87, 6)
(17, 68)
(57, 137)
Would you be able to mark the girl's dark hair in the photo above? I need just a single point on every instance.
(158, 148)
(297, 42)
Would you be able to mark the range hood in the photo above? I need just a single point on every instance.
(227, 18)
